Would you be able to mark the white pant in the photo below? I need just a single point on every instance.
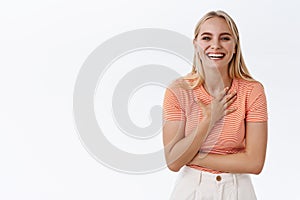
(193, 184)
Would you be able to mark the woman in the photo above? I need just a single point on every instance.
(215, 118)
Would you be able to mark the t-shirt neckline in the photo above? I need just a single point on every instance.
(232, 87)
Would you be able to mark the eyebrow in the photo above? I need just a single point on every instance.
(208, 33)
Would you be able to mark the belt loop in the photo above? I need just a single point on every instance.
(235, 185)
(234, 180)
(200, 177)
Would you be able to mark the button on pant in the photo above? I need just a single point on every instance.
(193, 184)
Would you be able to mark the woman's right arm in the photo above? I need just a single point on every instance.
(181, 149)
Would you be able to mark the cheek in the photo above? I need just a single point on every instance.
(230, 48)
(203, 45)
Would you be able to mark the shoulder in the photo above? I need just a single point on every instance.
(250, 85)
(180, 90)
(182, 84)
(252, 91)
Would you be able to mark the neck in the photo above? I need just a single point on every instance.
(216, 81)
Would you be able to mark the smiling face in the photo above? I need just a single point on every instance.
(215, 42)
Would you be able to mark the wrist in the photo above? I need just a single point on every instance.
(206, 119)
(209, 121)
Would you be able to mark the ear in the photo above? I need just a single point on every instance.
(194, 43)
(196, 47)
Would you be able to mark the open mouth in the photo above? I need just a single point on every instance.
(215, 56)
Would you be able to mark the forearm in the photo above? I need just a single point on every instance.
(185, 150)
(243, 162)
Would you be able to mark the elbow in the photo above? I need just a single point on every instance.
(256, 171)
(257, 168)
(255, 163)
(173, 167)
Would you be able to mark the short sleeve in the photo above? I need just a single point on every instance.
(172, 109)
(256, 110)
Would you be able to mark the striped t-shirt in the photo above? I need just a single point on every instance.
(228, 135)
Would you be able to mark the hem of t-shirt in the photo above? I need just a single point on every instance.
(205, 169)
(172, 119)
(255, 120)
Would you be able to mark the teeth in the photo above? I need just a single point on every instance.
(216, 55)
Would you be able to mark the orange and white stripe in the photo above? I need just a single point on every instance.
(228, 135)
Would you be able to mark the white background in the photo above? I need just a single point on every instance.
(42, 47)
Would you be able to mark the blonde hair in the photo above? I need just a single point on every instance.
(237, 67)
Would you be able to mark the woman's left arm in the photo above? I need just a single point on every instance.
(250, 161)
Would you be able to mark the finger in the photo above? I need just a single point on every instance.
(222, 94)
(199, 102)
(231, 100)
(229, 111)
(228, 97)
(228, 103)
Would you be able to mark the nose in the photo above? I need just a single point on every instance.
(215, 44)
